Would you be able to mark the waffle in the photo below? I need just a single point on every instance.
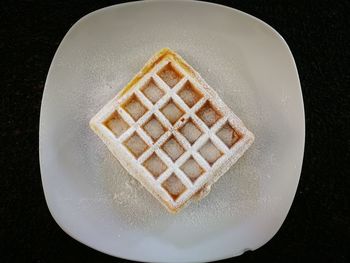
(171, 131)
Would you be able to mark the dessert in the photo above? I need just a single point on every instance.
(171, 131)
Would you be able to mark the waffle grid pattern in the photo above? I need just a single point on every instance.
(147, 125)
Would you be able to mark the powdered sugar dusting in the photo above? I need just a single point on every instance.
(107, 70)
(190, 131)
(174, 186)
(155, 165)
(192, 169)
(169, 75)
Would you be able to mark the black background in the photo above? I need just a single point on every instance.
(317, 226)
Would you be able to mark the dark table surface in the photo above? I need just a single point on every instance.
(317, 226)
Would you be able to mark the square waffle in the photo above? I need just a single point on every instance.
(171, 131)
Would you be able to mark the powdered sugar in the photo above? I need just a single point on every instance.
(233, 196)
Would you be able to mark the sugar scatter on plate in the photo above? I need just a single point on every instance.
(234, 197)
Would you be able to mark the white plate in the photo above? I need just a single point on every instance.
(93, 199)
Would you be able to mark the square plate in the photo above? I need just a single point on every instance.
(93, 198)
